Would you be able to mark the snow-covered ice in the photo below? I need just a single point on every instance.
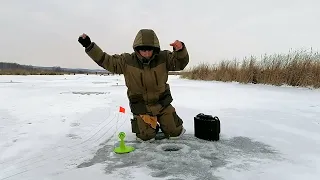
(65, 127)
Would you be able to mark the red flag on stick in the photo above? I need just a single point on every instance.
(122, 110)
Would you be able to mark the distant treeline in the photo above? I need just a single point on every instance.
(18, 69)
(5, 65)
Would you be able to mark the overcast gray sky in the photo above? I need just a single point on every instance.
(45, 32)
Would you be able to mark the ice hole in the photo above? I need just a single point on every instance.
(171, 147)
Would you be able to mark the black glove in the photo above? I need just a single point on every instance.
(85, 42)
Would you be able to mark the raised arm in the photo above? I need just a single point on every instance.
(115, 63)
(178, 59)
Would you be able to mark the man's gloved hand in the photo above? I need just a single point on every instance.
(84, 40)
(177, 45)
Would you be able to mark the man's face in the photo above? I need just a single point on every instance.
(146, 53)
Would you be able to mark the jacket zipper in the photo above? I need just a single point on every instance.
(155, 76)
(146, 87)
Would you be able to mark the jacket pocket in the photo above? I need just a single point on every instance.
(155, 76)
(137, 104)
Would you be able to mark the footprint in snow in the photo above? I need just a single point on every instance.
(73, 136)
(74, 124)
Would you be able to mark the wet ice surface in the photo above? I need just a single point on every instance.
(195, 157)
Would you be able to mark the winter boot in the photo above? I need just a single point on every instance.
(150, 140)
(178, 137)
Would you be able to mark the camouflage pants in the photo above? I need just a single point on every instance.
(170, 124)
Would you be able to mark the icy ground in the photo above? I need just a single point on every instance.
(65, 127)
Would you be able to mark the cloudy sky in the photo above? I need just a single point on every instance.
(45, 32)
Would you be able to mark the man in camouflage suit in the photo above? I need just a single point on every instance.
(146, 73)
